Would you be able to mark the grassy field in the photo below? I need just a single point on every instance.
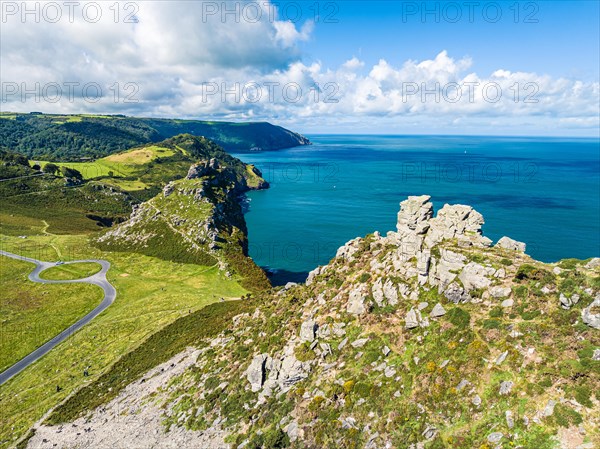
(123, 164)
(71, 271)
(33, 313)
(151, 294)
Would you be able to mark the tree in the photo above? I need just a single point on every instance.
(51, 168)
(71, 173)
(36, 167)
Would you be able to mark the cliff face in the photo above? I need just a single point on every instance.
(428, 337)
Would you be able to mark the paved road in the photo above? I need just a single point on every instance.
(98, 279)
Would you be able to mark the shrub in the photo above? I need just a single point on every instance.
(364, 277)
(506, 262)
(491, 324)
(530, 272)
(459, 317)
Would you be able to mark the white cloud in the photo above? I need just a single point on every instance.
(188, 63)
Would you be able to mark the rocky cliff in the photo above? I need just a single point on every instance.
(427, 337)
(198, 219)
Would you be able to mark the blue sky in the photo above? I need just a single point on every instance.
(481, 67)
(565, 41)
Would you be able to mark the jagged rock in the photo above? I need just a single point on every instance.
(567, 303)
(386, 351)
(594, 263)
(348, 250)
(314, 273)
(413, 319)
(308, 330)
(596, 355)
(456, 221)
(414, 213)
(506, 387)
(356, 301)
(455, 293)
(437, 311)
(168, 189)
(508, 243)
(589, 318)
(473, 276)
(256, 372)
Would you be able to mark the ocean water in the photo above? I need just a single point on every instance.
(542, 191)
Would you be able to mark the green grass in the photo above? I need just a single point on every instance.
(151, 293)
(32, 313)
(71, 271)
(121, 164)
(158, 348)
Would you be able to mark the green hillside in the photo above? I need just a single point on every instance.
(73, 137)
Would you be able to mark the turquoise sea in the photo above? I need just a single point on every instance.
(542, 191)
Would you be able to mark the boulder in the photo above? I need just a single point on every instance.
(437, 311)
(473, 276)
(413, 319)
(508, 243)
(256, 372)
(455, 293)
(356, 301)
(506, 387)
(589, 318)
(308, 330)
(498, 291)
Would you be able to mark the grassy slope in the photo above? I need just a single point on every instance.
(33, 313)
(151, 294)
(71, 271)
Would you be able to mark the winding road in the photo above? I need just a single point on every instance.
(98, 279)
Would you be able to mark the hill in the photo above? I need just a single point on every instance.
(108, 188)
(428, 337)
(73, 137)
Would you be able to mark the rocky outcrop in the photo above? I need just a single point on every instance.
(513, 245)
(591, 314)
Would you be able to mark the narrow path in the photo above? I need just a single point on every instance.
(98, 279)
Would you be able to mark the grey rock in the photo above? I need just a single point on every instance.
(476, 401)
(292, 430)
(495, 437)
(508, 243)
(413, 319)
(455, 293)
(507, 303)
(506, 387)
(499, 291)
(356, 301)
(422, 305)
(594, 263)
(430, 432)
(596, 355)
(510, 422)
(437, 311)
(308, 330)
(359, 343)
(343, 343)
(256, 372)
(549, 409)
(386, 351)
(473, 276)
(501, 358)
(589, 318)
(389, 372)
(462, 384)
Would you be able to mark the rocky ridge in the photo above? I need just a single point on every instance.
(427, 337)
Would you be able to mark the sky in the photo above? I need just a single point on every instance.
(381, 67)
